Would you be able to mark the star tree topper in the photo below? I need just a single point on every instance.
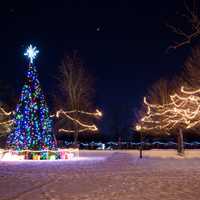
(31, 53)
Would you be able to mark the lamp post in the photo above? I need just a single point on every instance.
(138, 128)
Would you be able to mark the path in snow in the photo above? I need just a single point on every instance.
(105, 176)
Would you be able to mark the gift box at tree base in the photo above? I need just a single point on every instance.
(60, 154)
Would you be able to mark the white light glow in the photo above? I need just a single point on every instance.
(31, 53)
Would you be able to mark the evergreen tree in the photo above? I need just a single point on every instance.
(32, 123)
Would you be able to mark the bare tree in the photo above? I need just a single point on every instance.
(174, 105)
(191, 28)
(159, 92)
(161, 116)
(76, 89)
(191, 70)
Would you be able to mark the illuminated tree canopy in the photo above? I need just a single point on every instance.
(182, 112)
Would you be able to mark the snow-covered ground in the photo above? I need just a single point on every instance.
(103, 175)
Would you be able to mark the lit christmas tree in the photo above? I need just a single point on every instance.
(32, 123)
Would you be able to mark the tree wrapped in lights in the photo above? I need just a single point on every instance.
(163, 119)
(160, 116)
(32, 123)
(5, 122)
(181, 113)
(188, 106)
(76, 91)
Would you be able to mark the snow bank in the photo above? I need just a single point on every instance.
(104, 175)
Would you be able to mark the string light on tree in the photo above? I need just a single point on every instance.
(181, 113)
(32, 123)
(161, 117)
(4, 112)
(189, 106)
(83, 126)
(5, 121)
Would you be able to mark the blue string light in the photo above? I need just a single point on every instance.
(32, 123)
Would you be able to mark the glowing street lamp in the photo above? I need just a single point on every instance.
(139, 128)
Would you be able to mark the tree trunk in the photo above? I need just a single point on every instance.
(180, 144)
(75, 134)
(76, 131)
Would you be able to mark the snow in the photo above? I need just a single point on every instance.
(104, 175)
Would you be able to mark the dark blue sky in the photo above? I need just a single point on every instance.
(123, 44)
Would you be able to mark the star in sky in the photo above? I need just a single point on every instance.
(98, 29)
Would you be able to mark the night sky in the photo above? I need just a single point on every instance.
(122, 43)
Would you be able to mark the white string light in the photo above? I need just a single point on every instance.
(84, 126)
(182, 111)
(6, 124)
